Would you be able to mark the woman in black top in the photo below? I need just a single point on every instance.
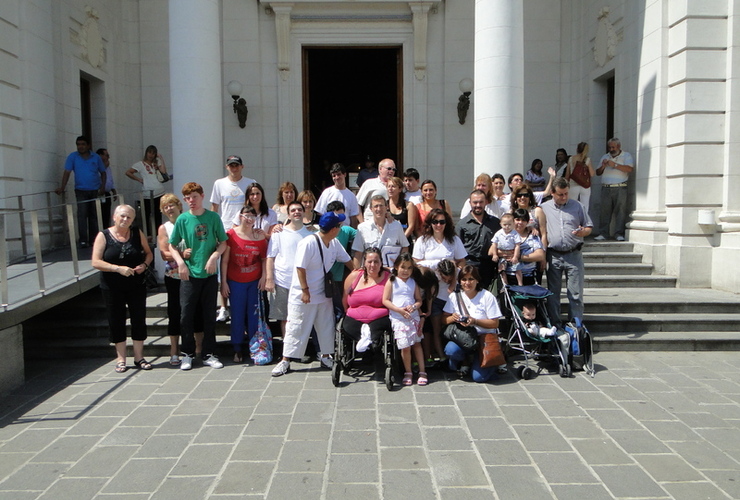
(122, 255)
(401, 210)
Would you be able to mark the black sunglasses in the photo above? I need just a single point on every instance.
(439, 221)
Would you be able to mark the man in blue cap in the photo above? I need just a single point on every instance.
(308, 304)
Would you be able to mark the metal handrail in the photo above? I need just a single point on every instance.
(44, 245)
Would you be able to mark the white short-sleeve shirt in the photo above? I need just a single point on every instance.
(483, 306)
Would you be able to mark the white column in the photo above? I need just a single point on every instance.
(498, 97)
(196, 92)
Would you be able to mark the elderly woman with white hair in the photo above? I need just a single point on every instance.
(122, 255)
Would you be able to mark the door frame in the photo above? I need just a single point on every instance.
(305, 49)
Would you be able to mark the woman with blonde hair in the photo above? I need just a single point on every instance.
(483, 182)
(122, 254)
(580, 185)
(310, 216)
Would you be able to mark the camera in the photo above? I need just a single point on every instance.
(463, 319)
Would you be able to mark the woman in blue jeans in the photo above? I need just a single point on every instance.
(481, 311)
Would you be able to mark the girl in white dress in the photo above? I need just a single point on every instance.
(402, 297)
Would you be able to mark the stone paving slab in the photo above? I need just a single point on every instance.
(649, 425)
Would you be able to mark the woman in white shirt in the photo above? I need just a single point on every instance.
(481, 312)
(437, 243)
(152, 188)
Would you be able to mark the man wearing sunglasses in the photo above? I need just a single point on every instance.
(373, 187)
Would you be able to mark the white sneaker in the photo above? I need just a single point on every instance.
(186, 363)
(327, 362)
(281, 368)
(600, 237)
(365, 338)
(223, 315)
(213, 362)
(620, 238)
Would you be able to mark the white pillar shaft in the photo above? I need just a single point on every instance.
(196, 92)
(498, 97)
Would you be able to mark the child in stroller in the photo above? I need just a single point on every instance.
(534, 327)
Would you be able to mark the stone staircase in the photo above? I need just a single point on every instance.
(627, 308)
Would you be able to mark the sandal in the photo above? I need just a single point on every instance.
(121, 367)
(174, 360)
(407, 379)
(238, 357)
(143, 364)
(502, 370)
(422, 380)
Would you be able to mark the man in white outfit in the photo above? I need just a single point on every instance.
(308, 305)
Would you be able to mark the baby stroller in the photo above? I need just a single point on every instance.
(345, 354)
(540, 342)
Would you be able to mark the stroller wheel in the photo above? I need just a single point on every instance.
(563, 370)
(389, 378)
(336, 373)
(527, 373)
(520, 371)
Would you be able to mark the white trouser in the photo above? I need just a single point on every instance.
(303, 317)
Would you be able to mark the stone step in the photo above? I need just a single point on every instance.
(631, 324)
(159, 346)
(612, 257)
(607, 246)
(668, 341)
(611, 269)
(628, 282)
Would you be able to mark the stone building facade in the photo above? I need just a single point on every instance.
(660, 75)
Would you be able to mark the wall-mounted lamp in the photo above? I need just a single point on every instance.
(463, 104)
(240, 104)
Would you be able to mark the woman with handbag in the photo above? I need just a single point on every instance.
(152, 174)
(579, 172)
(122, 255)
(471, 314)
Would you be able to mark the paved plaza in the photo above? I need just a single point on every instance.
(649, 425)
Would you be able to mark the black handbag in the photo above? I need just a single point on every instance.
(466, 337)
(328, 277)
(150, 278)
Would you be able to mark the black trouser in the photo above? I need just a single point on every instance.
(116, 302)
(198, 294)
(87, 218)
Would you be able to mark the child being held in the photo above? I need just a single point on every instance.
(535, 329)
(504, 242)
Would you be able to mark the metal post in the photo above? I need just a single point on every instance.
(73, 240)
(37, 251)
(99, 214)
(24, 247)
(49, 216)
(3, 263)
(142, 214)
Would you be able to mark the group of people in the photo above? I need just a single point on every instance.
(387, 259)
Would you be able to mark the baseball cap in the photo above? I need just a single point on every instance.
(233, 159)
(330, 220)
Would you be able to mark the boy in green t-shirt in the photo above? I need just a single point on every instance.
(202, 232)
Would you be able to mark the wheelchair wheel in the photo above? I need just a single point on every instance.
(336, 373)
(389, 378)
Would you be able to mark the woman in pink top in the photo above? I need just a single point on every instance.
(243, 265)
(363, 300)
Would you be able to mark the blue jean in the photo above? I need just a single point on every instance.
(455, 356)
(244, 298)
(198, 294)
(572, 265)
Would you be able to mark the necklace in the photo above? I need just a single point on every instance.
(119, 236)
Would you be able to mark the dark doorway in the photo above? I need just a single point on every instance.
(352, 108)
